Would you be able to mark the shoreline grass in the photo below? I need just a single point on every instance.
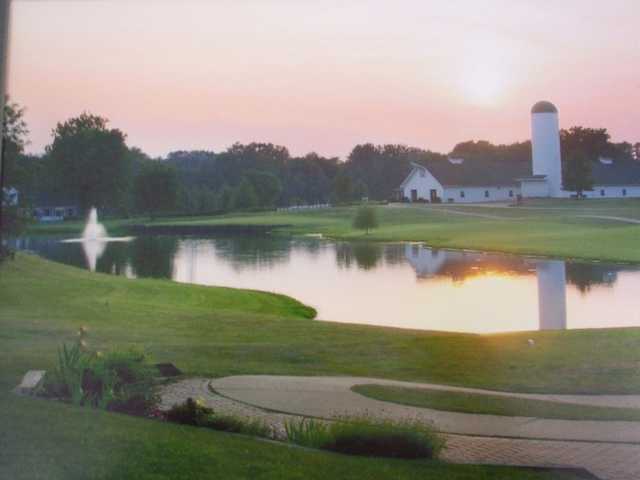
(463, 402)
(561, 229)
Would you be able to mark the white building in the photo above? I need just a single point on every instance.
(10, 197)
(457, 180)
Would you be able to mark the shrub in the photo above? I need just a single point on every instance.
(365, 218)
(307, 432)
(370, 437)
(121, 380)
(193, 412)
(235, 424)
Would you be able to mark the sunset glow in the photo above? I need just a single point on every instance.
(325, 75)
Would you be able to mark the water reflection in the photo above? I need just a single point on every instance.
(400, 285)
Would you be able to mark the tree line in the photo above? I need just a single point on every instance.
(88, 163)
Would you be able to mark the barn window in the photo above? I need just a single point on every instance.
(461, 193)
(486, 194)
(602, 192)
(624, 192)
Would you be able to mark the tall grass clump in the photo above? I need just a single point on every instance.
(120, 380)
(368, 437)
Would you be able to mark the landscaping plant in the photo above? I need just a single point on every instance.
(120, 380)
(368, 436)
(195, 413)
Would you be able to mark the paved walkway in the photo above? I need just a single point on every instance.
(471, 438)
(329, 397)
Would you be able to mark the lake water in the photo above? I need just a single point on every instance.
(397, 285)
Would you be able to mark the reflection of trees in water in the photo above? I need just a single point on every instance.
(365, 255)
(461, 266)
(152, 256)
(114, 259)
(586, 275)
(394, 254)
(253, 251)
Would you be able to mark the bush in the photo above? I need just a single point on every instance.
(121, 380)
(369, 437)
(365, 218)
(193, 412)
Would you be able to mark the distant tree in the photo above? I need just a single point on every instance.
(225, 198)
(156, 189)
(266, 186)
(244, 196)
(577, 172)
(360, 190)
(89, 161)
(342, 188)
(365, 218)
(14, 132)
(592, 142)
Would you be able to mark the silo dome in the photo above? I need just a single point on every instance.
(544, 107)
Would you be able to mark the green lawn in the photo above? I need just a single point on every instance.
(218, 331)
(493, 404)
(221, 331)
(42, 439)
(559, 228)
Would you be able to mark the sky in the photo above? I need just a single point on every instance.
(325, 75)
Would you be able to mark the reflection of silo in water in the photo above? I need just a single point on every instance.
(552, 295)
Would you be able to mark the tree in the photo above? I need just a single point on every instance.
(14, 132)
(365, 219)
(156, 188)
(342, 188)
(244, 196)
(90, 161)
(577, 172)
(266, 186)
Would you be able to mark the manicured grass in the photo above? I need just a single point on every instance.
(558, 228)
(222, 331)
(493, 404)
(49, 440)
(209, 331)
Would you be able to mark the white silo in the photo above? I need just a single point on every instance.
(545, 144)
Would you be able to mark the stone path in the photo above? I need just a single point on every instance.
(279, 399)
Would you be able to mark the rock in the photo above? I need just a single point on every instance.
(168, 370)
(30, 382)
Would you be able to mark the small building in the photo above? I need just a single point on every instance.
(10, 197)
(472, 181)
(54, 208)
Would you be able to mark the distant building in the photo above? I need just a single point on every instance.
(10, 197)
(456, 180)
(54, 208)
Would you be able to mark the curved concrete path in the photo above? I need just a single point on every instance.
(609, 461)
(330, 397)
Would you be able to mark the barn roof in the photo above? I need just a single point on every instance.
(619, 172)
(503, 172)
(477, 172)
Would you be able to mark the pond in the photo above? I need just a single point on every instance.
(396, 285)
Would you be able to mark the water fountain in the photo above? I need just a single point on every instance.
(94, 239)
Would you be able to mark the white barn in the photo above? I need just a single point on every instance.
(456, 180)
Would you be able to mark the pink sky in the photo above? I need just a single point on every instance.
(324, 75)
